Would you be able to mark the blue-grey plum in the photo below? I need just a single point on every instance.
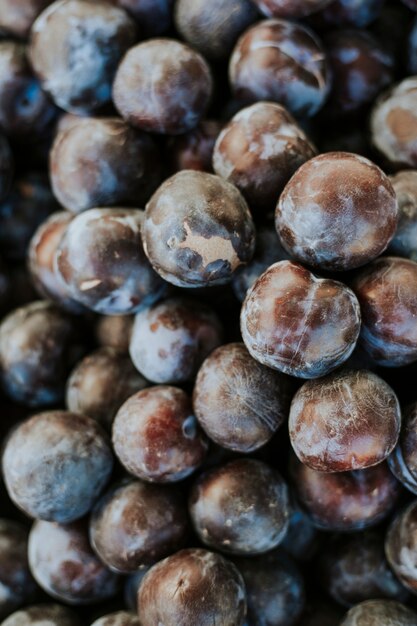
(75, 48)
(39, 344)
(65, 566)
(55, 465)
(291, 70)
(170, 339)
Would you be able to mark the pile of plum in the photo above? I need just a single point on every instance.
(208, 312)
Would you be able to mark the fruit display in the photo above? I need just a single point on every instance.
(208, 312)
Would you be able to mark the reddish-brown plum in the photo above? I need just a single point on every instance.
(156, 436)
(65, 566)
(194, 150)
(403, 460)
(16, 582)
(136, 524)
(192, 587)
(103, 162)
(56, 464)
(378, 612)
(274, 589)
(240, 403)
(337, 212)
(346, 421)
(354, 569)
(213, 27)
(259, 150)
(41, 254)
(404, 242)
(283, 62)
(387, 292)
(100, 383)
(394, 125)
(401, 546)
(173, 97)
(170, 340)
(75, 48)
(39, 614)
(39, 345)
(297, 323)
(198, 230)
(241, 507)
(102, 262)
(346, 501)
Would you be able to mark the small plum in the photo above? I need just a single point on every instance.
(56, 464)
(100, 383)
(156, 436)
(136, 524)
(280, 61)
(170, 340)
(173, 97)
(241, 507)
(192, 587)
(239, 402)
